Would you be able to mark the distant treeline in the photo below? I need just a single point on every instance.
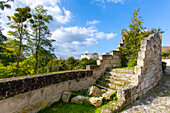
(26, 67)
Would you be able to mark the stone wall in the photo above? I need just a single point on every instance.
(32, 93)
(148, 71)
(90, 56)
(104, 62)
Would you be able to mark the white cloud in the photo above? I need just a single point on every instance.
(71, 39)
(60, 14)
(103, 2)
(93, 22)
(101, 35)
(115, 1)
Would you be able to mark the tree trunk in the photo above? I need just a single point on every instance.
(19, 52)
(36, 54)
(37, 50)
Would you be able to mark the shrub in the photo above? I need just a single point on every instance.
(166, 53)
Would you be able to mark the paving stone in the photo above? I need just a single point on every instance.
(157, 100)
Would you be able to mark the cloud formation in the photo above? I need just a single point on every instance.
(69, 40)
(103, 2)
(93, 22)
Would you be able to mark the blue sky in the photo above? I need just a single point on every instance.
(95, 25)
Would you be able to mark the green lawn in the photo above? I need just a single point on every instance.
(123, 67)
(61, 107)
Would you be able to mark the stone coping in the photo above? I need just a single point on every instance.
(16, 85)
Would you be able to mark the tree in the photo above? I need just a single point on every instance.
(132, 39)
(166, 53)
(18, 24)
(9, 53)
(41, 32)
(71, 62)
(3, 5)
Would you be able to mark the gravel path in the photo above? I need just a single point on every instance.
(157, 100)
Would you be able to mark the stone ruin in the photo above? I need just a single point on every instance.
(32, 93)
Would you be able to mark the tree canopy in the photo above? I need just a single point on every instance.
(132, 38)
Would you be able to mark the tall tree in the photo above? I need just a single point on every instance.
(132, 39)
(41, 33)
(3, 5)
(19, 19)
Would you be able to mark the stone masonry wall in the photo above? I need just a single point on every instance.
(104, 62)
(148, 71)
(32, 93)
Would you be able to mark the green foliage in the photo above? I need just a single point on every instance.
(132, 39)
(39, 41)
(69, 64)
(132, 68)
(83, 92)
(166, 54)
(7, 71)
(61, 107)
(30, 52)
(83, 62)
(17, 23)
(4, 4)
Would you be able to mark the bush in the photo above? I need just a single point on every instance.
(166, 53)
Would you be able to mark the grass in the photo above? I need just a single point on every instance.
(83, 92)
(61, 107)
(124, 68)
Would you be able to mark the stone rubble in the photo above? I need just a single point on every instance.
(66, 96)
(94, 90)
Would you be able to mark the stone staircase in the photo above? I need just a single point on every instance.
(108, 84)
(115, 78)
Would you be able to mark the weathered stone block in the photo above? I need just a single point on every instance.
(123, 93)
(80, 99)
(96, 101)
(109, 94)
(66, 96)
(95, 91)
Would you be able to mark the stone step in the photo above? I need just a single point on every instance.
(103, 87)
(119, 74)
(113, 86)
(118, 78)
(108, 85)
(127, 71)
(109, 94)
(122, 82)
(102, 83)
